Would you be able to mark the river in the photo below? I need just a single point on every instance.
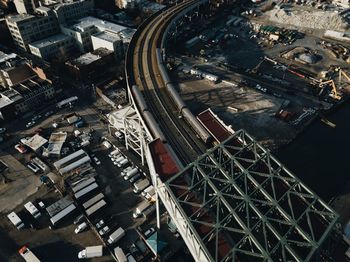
(319, 156)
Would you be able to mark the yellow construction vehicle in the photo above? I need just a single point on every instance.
(342, 73)
(334, 93)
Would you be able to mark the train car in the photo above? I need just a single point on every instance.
(151, 122)
(153, 126)
(140, 101)
(180, 104)
(175, 96)
(196, 125)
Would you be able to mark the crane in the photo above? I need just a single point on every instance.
(334, 94)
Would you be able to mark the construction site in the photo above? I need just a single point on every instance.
(268, 77)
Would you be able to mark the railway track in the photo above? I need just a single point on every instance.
(183, 140)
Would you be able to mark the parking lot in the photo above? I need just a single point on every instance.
(46, 243)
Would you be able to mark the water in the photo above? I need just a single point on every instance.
(320, 155)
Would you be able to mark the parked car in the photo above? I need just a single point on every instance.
(81, 228)
(149, 232)
(48, 113)
(104, 231)
(20, 148)
(107, 144)
(30, 124)
(97, 161)
(100, 224)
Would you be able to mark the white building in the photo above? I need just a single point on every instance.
(83, 30)
(108, 40)
(54, 46)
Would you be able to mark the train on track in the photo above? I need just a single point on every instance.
(180, 104)
(183, 110)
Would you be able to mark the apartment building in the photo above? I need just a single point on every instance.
(26, 29)
(56, 46)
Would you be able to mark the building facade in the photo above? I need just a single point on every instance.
(26, 29)
(25, 6)
(83, 30)
(27, 95)
(57, 46)
(108, 40)
(70, 10)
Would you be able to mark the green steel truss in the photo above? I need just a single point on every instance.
(243, 205)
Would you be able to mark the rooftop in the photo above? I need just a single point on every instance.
(83, 24)
(91, 57)
(29, 85)
(35, 142)
(4, 57)
(108, 36)
(50, 41)
(55, 144)
(8, 97)
(19, 17)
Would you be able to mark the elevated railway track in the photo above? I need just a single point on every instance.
(147, 77)
(235, 202)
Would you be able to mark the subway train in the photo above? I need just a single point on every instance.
(143, 108)
(180, 104)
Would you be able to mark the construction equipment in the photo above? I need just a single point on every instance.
(334, 93)
(342, 73)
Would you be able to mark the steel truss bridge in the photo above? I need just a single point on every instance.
(232, 202)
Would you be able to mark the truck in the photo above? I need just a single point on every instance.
(116, 235)
(119, 254)
(60, 215)
(114, 153)
(140, 208)
(140, 185)
(95, 207)
(82, 184)
(37, 161)
(90, 252)
(28, 255)
(85, 190)
(93, 200)
(107, 144)
(32, 210)
(118, 159)
(148, 192)
(122, 163)
(16, 221)
(130, 172)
